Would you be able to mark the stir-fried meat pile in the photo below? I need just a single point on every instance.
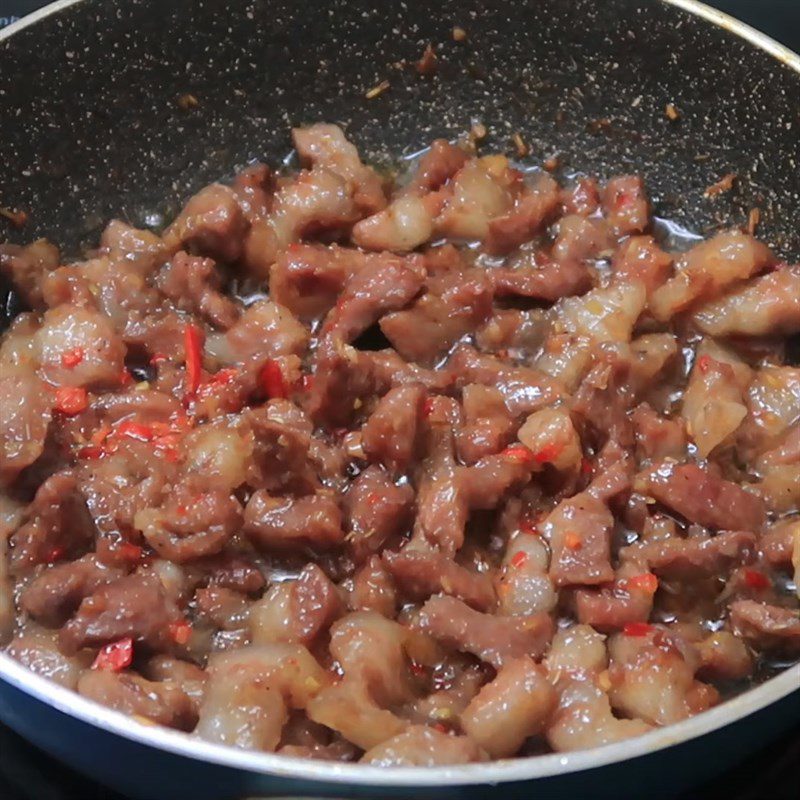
(459, 468)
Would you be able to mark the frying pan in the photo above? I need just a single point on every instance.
(92, 128)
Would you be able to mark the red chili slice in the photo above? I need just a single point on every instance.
(647, 582)
(519, 559)
(71, 400)
(115, 656)
(272, 380)
(193, 340)
(72, 357)
(637, 628)
(519, 454)
(180, 631)
(549, 453)
(756, 580)
(135, 430)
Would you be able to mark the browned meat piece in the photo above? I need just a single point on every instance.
(652, 677)
(550, 281)
(140, 248)
(657, 437)
(724, 657)
(510, 709)
(307, 279)
(58, 525)
(193, 284)
(439, 163)
(235, 572)
(211, 222)
(696, 556)
(390, 433)
(706, 270)
(765, 306)
(79, 347)
(221, 608)
(135, 606)
(453, 305)
(488, 425)
(265, 330)
(163, 702)
(778, 543)
(496, 640)
(390, 283)
(607, 609)
(278, 523)
(57, 592)
(533, 209)
(296, 611)
(524, 389)
(625, 205)
(190, 525)
(375, 510)
(387, 370)
(26, 267)
(766, 627)
(583, 197)
(26, 417)
(373, 589)
(579, 531)
(420, 574)
(639, 258)
(422, 746)
(703, 498)
(603, 399)
(325, 146)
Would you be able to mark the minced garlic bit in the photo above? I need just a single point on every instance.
(427, 63)
(520, 145)
(459, 34)
(672, 112)
(142, 386)
(442, 713)
(604, 681)
(16, 218)
(753, 220)
(477, 131)
(376, 91)
(724, 184)
(187, 101)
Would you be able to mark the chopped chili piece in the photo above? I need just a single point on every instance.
(427, 406)
(519, 559)
(125, 377)
(572, 540)
(17, 218)
(135, 430)
(528, 526)
(756, 579)
(71, 400)
(704, 363)
(586, 466)
(91, 452)
(130, 551)
(637, 628)
(53, 554)
(272, 380)
(518, 453)
(549, 453)
(157, 358)
(115, 656)
(307, 383)
(72, 357)
(193, 341)
(181, 631)
(647, 582)
(417, 669)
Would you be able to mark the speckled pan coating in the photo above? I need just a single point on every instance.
(92, 127)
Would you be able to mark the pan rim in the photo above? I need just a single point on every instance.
(74, 705)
